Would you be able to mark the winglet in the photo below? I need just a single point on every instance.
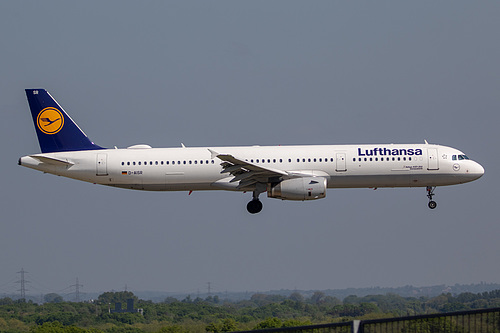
(426, 142)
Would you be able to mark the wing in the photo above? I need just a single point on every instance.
(247, 173)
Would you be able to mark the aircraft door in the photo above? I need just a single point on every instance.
(341, 162)
(101, 165)
(432, 157)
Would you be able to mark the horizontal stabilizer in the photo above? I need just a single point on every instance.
(51, 160)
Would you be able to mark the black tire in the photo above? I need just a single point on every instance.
(432, 204)
(254, 206)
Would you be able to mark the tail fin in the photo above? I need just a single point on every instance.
(56, 131)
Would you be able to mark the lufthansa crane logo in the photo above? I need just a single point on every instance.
(50, 120)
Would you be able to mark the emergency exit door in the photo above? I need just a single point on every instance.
(432, 158)
(341, 163)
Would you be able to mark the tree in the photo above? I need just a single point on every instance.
(297, 297)
(56, 327)
(111, 297)
(173, 329)
(269, 323)
(318, 297)
(228, 325)
(52, 298)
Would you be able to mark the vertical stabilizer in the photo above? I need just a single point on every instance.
(56, 131)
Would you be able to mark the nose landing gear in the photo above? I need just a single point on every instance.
(430, 193)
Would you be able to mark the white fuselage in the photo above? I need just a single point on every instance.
(192, 169)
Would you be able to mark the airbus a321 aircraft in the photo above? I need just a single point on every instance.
(284, 172)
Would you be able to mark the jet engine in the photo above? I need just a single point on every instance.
(299, 189)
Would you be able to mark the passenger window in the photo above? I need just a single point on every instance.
(123, 163)
(128, 163)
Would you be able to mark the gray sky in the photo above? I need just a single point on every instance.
(209, 73)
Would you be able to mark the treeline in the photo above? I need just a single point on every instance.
(215, 315)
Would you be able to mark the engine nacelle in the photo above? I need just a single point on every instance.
(300, 189)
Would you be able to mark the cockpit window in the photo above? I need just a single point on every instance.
(460, 157)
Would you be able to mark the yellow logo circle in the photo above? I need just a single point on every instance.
(50, 120)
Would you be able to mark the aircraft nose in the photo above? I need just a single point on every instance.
(476, 170)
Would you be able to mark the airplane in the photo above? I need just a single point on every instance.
(296, 173)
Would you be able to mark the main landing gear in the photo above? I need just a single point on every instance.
(430, 193)
(255, 206)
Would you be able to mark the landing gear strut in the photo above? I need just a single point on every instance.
(430, 193)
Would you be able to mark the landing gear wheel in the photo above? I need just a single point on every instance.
(254, 206)
(430, 193)
(432, 204)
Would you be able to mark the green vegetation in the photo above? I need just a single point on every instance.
(213, 315)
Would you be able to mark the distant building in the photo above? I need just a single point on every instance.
(129, 309)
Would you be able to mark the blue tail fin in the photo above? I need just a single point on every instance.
(56, 131)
